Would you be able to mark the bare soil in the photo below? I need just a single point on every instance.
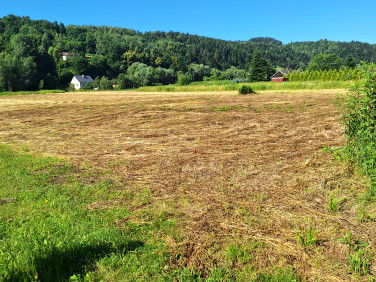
(229, 169)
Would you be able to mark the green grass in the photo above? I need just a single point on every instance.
(334, 203)
(10, 93)
(360, 259)
(48, 232)
(256, 86)
(307, 237)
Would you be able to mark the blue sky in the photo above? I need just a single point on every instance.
(288, 21)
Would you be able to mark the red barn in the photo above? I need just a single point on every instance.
(278, 77)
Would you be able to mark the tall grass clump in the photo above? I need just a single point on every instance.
(246, 89)
(359, 124)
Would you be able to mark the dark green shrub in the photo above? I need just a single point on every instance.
(245, 89)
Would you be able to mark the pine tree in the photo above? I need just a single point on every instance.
(350, 61)
(260, 69)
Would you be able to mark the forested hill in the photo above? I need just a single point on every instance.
(111, 50)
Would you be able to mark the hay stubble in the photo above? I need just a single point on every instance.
(227, 168)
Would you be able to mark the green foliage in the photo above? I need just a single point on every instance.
(365, 216)
(323, 62)
(350, 61)
(232, 86)
(70, 88)
(79, 64)
(246, 89)
(164, 76)
(89, 86)
(198, 71)
(37, 47)
(307, 237)
(140, 74)
(234, 74)
(215, 75)
(360, 259)
(17, 73)
(344, 74)
(359, 122)
(124, 82)
(260, 69)
(105, 84)
(41, 84)
(184, 78)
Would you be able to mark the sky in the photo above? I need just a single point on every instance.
(287, 21)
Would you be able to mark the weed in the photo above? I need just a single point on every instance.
(334, 203)
(242, 254)
(365, 217)
(307, 237)
(237, 254)
(348, 239)
(359, 258)
(360, 261)
(287, 108)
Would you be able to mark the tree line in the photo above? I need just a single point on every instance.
(30, 55)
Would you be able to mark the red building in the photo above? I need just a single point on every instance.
(278, 77)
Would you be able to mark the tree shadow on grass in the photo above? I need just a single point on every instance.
(60, 265)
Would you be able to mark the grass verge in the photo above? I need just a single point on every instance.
(10, 93)
(54, 225)
(232, 86)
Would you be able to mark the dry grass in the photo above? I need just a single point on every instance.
(228, 168)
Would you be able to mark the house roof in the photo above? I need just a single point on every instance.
(283, 72)
(84, 78)
(67, 54)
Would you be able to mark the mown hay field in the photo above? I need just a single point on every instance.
(244, 177)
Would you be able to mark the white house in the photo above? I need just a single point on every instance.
(80, 81)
